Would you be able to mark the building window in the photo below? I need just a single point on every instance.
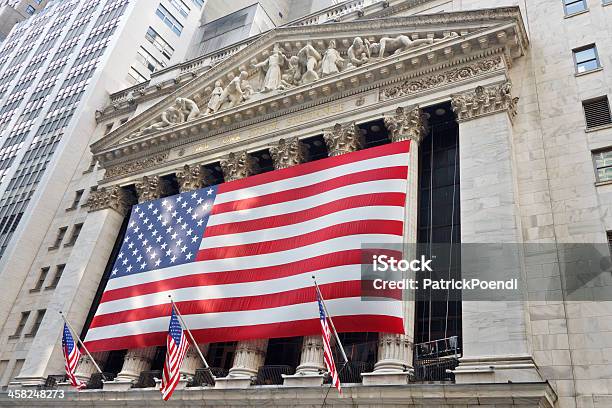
(602, 160)
(200, 3)
(59, 238)
(30, 10)
(158, 42)
(59, 270)
(181, 7)
(169, 20)
(77, 199)
(76, 230)
(609, 235)
(597, 112)
(606, 2)
(574, 6)
(136, 76)
(145, 58)
(586, 58)
(22, 322)
(108, 128)
(40, 314)
(41, 279)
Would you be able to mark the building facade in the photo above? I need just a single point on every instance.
(13, 12)
(508, 103)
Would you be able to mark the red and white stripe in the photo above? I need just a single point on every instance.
(172, 365)
(328, 356)
(266, 236)
(71, 360)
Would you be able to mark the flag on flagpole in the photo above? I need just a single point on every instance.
(328, 356)
(176, 348)
(71, 356)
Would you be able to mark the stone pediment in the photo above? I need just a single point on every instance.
(294, 68)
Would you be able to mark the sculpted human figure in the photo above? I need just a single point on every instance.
(359, 52)
(308, 59)
(236, 91)
(188, 108)
(170, 117)
(272, 67)
(332, 61)
(215, 98)
(292, 75)
(403, 43)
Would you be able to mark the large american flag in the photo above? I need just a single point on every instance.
(238, 258)
(71, 358)
(328, 356)
(176, 348)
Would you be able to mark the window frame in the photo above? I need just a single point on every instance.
(40, 315)
(42, 277)
(59, 272)
(23, 321)
(76, 231)
(59, 237)
(594, 100)
(597, 60)
(572, 2)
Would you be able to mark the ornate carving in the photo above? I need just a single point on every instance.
(484, 101)
(151, 188)
(114, 198)
(359, 52)
(403, 43)
(343, 138)
(308, 61)
(272, 66)
(236, 92)
(135, 166)
(182, 111)
(214, 103)
(432, 81)
(332, 61)
(237, 165)
(191, 178)
(288, 153)
(406, 123)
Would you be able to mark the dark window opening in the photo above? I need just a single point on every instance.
(374, 133)
(171, 185)
(114, 362)
(59, 271)
(214, 174)
(262, 161)
(221, 355)
(41, 279)
(316, 148)
(439, 221)
(285, 351)
(597, 112)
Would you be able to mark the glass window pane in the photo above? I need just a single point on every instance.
(585, 55)
(574, 6)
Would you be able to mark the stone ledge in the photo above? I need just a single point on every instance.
(439, 395)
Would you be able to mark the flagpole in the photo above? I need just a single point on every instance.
(82, 345)
(330, 320)
(178, 313)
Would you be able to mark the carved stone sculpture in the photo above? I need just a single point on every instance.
(343, 138)
(359, 52)
(272, 66)
(292, 75)
(170, 117)
(287, 153)
(484, 101)
(236, 92)
(308, 59)
(188, 108)
(215, 98)
(332, 61)
(406, 124)
(237, 165)
(114, 197)
(190, 178)
(151, 188)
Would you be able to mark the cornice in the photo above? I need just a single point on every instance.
(284, 35)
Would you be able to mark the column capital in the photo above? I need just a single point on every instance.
(237, 165)
(287, 153)
(406, 123)
(191, 177)
(343, 138)
(485, 100)
(151, 188)
(113, 197)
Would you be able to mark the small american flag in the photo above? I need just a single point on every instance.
(176, 347)
(71, 355)
(329, 357)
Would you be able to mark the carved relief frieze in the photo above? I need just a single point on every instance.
(114, 197)
(443, 78)
(406, 124)
(343, 138)
(135, 166)
(484, 101)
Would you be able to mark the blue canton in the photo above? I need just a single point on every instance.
(67, 340)
(175, 328)
(165, 232)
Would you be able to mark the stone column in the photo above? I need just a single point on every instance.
(496, 345)
(192, 360)
(81, 278)
(343, 138)
(249, 354)
(395, 350)
(85, 369)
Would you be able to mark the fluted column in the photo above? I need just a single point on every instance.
(395, 350)
(135, 362)
(86, 368)
(192, 360)
(311, 360)
(249, 354)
